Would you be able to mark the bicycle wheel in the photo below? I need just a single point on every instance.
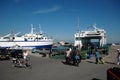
(29, 65)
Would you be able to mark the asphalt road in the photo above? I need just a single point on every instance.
(54, 69)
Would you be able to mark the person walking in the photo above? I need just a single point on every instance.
(118, 57)
(97, 55)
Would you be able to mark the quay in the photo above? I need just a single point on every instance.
(53, 69)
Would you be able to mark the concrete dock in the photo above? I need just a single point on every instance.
(44, 68)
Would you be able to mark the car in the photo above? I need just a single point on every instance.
(35, 50)
(16, 53)
(4, 54)
(41, 51)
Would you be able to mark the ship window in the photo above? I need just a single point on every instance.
(36, 37)
(6, 38)
(25, 39)
(13, 38)
(77, 38)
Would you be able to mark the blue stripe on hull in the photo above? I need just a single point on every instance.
(38, 47)
(47, 46)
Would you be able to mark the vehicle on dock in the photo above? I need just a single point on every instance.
(4, 54)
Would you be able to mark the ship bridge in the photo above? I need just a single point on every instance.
(88, 36)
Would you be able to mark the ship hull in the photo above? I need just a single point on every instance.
(27, 44)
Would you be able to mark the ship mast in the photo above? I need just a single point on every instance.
(40, 29)
(31, 28)
(78, 25)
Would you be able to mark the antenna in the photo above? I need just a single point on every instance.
(31, 28)
(40, 29)
(78, 24)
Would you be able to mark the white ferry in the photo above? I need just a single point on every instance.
(29, 41)
(82, 37)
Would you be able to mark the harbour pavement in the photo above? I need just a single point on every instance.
(87, 69)
(44, 68)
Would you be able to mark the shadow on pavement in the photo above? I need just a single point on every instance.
(70, 64)
(66, 63)
(95, 79)
(111, 63)
(91, 62)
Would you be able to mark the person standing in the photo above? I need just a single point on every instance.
(77, 58)
(97, 55)
(118, 57)
(25, 55)
(50, 53)
(67, 57)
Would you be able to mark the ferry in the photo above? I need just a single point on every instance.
(29, 40)
(96, 34)
(83, 37)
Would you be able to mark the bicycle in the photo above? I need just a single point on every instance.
(21, 63)
(27, 62)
